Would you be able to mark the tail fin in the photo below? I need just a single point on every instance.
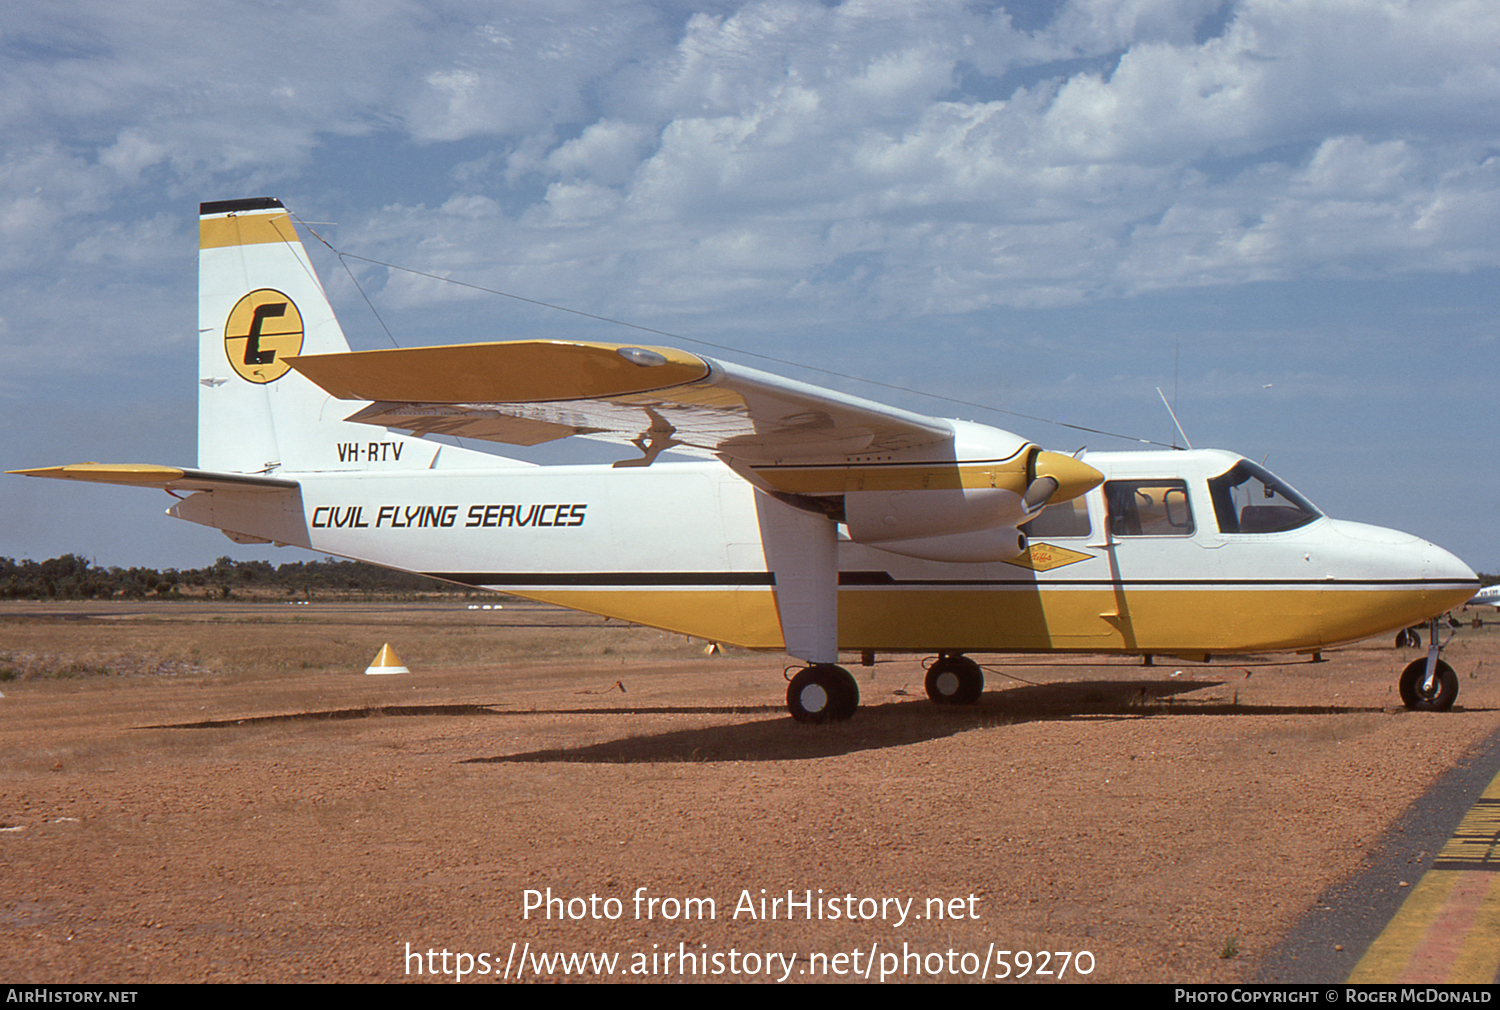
(259, 302)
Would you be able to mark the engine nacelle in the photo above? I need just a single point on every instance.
(967, 509)
(980, 546)
(957, 524)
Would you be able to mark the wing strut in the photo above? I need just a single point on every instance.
(802, 549)
(653, 441)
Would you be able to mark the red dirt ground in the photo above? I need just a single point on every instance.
(196, 823)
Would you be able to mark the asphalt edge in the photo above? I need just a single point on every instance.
(1353, 912)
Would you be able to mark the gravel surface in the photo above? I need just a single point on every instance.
(1174, 821)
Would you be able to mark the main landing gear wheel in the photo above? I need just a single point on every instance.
(954, 679)
(822, 692)
(1408, 639)
(1439, 698)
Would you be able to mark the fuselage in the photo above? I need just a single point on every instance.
(1177, 552)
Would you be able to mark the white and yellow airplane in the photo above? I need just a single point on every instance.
(811, 521)
(1489, 596)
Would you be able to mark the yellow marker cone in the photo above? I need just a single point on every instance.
(385, 661)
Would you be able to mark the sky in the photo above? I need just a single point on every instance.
(1284, 214)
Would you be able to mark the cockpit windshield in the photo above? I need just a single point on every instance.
(1251, 499)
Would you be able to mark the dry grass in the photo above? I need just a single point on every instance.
(76, 640)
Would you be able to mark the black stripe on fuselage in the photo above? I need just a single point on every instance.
(607, 578)
(885, 579)
(878, 578)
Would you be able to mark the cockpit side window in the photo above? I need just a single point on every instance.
(1148, 508)
(1250, 499)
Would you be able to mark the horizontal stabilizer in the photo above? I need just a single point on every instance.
(168, 478)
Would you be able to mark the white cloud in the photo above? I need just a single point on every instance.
(782, 125)
(607, 151)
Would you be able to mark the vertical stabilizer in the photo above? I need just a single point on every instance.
(260, 302)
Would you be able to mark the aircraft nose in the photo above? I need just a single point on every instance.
(1448, 581)
(1394, 547)
(1441, 566)
(1426, 577)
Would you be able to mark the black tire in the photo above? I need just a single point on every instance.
(1444, 688)
(1408, 638)
(851, 699)
(822, 693)
(955, 680)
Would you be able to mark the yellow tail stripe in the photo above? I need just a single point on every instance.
(245, 229)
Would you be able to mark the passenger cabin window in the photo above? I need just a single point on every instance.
(1065, 519)
(1250, 499)
(1148, 508)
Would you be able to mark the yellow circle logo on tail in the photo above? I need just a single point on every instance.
(264, 329)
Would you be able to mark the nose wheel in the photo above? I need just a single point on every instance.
(1423, 695)
(1429, 685)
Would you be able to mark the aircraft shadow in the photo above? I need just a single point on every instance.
(895, 724)
(377, 711)
(778, 738)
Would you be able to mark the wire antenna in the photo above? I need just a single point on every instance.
(343, 256)
(1173, 413)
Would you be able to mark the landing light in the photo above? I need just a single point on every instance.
(641, 356)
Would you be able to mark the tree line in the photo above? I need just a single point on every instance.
(72, 577)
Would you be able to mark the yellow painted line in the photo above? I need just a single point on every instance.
(1479, 956)
(1448, 929)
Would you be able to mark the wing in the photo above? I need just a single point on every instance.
(168, 478)
(532, 391)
